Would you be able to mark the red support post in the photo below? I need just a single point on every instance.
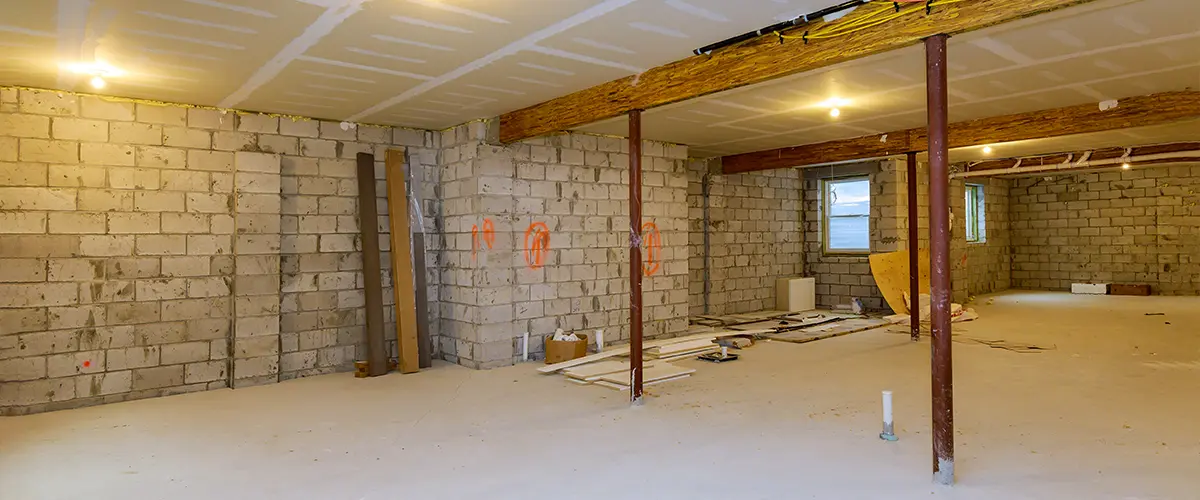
(914, 246)
(939, 250)
(635, 256)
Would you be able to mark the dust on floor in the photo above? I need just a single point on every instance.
(1109, 413)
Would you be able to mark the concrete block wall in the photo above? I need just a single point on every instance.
(1138, 226)
(754, 238)
(573, 188)
(983, 267)
(148, 250)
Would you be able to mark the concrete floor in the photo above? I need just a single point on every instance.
(1110, 413)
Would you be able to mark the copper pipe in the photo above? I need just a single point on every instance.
(635, 256)
(939, 251)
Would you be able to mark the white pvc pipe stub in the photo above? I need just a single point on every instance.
(888, 427)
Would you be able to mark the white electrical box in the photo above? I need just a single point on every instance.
(796, 294)
(1090, 288)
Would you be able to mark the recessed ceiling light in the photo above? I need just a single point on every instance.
(1126, 166)
(98, 82)
(987, 150)
(835, 112)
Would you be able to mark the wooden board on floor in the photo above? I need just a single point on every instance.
(624, 350)
(692, 345)
(892, 274)
(625, 387)
(657, 372)
(402, 271)
(829, 331)
(594, 370)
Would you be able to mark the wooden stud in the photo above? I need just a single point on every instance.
(1140, 111)
(372, 274)
(402, 271)
(761, 60)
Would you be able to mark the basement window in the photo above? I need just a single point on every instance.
(976, 222)
(847, 215)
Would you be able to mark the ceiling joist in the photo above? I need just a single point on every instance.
(1154, 109)
(765, 59)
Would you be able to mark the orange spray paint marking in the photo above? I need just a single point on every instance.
(87, 364)
(489, 233)
(537, 244)
(652, 243)
(474, 241)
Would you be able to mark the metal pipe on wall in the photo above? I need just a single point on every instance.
(706, 188)
(914, 245)
(939, 251)
(635, 256)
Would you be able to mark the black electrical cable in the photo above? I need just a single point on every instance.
(802, 20)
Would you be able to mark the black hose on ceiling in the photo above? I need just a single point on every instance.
(802, 20)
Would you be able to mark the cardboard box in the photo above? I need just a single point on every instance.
(558, 351)
(795, 294)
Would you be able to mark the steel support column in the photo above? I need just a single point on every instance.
(914, 245)
(939, 250)
(635, 256)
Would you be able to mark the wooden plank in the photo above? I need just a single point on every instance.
(658, 372)
(402, 272)
(623, 387)
(601, 368)
(377, 356)
(624, 350)
(424, 342)
(829, 331)
(689, 354)
(765, 59)
(1139, 111)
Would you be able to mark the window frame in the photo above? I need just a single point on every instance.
(827, 216)
(975, 218)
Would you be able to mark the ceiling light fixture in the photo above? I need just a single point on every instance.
(835, 112)
(96, 68)
(1126, 166)
(97, 82)
(987, 150)
(834, 102)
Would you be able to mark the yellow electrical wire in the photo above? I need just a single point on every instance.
(866, 21)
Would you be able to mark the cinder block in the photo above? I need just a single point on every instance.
(209, 245)
(234, 141)
(255, 367)
(131, 268)
(77, 129)
(204, 372)
(30, 368)
(104, 109)
(186, 180)
(76, 176)
(132, 313)
(216, 161)
(250, 347)
(49, 151)
(134, 223)
(158, 201)
(162, 289)
(106, 154)
(22, 125)
(210, 119)
(37, 392)
(164, 115)
(318, 148)
(257, 162)
(77, 223)
(41, 102)
(215, 286)
(134, 178)
(104, 384)
(22, 223)
(153, 378)
(75, 363)
(135, 133)
(183, 137)
(187, 352)
(262, 124)
(13, 321)
(161, 157)
(106, 246)
(299, 128)
(278, 144)
(257, 183)
(152, 244)
(102, 200)
(22, 174)
(77, 317)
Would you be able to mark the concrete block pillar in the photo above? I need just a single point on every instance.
(256, 269)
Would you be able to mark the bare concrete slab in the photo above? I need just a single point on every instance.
(1109, 413)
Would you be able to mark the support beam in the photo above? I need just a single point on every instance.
(939, 251)
(635, 256)
(1140, 111)
(765, 59)
(914, 246)
(1177, 152)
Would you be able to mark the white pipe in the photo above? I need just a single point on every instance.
(599, 340)
(525, 348)
(1079, 164)
(888, 433)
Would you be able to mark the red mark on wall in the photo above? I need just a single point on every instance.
(652, 244)
(87, 364)
(537, 244)
(489, 236)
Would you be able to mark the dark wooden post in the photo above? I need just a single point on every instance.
(635, 256)
(368, 222)
(914, 245)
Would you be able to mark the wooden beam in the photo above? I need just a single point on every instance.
(1154, 109)
(402, 271)
(765, 59)
(377, 355)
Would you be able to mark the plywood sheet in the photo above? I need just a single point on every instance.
(891, 272)
(658, 372)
